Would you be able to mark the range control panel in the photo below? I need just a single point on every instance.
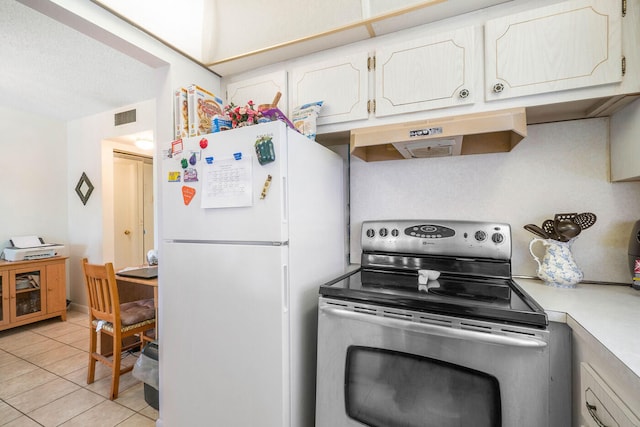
(438, 237)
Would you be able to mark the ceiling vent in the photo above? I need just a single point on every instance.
(487, 132)
(124, 118)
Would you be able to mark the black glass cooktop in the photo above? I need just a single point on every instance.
(493, 299)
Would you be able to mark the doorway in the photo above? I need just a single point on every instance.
(133, 208)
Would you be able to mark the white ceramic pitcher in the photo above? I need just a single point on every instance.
(558, 267)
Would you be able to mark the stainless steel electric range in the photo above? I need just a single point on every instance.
(432, 330)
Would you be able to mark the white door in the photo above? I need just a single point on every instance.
(568, 45)
(147, 207)
(225, 335)
(133, 209)
(426, 73)
(341, 84)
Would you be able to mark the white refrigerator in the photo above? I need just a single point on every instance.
(252, 221)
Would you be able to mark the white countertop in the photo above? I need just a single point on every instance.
(610, 313)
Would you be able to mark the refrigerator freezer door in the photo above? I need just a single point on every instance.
(225, 336)
(264, 219)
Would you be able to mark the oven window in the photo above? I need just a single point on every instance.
(386, 388)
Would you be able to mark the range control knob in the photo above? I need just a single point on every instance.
(370, 232)
(384, 232)
(497, 238)
(480, 235)
(395, 232)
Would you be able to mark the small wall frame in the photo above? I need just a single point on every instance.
(84, 188)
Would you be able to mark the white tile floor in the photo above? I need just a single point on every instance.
(43, 380)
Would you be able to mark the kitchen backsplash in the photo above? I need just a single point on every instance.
(559, 167)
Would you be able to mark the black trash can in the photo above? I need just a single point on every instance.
(151, 394)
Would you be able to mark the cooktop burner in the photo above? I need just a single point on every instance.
(458, 268)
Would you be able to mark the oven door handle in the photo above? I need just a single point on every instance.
(443, 331)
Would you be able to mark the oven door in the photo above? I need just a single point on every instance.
(383, 367)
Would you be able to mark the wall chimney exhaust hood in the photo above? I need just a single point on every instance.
(478, 133)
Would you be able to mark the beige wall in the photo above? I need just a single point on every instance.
(559, 167)
(33, 164)
(90, 151)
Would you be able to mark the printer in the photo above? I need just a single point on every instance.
(30, 248)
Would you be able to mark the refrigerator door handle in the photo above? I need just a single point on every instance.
(284, 210)
(285, 289)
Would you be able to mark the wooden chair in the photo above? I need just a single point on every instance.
(111, 318)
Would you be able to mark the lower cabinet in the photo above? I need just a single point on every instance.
(599, 404)
(31, 291)
(4, 299)
(605, 391)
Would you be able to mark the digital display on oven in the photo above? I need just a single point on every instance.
(429, 231)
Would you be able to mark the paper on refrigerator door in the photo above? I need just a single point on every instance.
(227, 183)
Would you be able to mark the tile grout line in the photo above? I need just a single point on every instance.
(82, 386)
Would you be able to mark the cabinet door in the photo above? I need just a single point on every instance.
(427, 73)
(624, 129)
(342, 85)
(599, 404)
(260, 90)
(56, 287)
(569, 45)
(28, 299)
(4, 298)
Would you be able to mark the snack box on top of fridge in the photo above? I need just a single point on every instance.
(181, 113)
(203, 107)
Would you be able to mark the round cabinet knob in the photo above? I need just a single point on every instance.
(498, 87)
(480, 235)
(127, 232)
(463, 93)
(370, 232)
(497, 238)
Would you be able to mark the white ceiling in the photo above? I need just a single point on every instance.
(54, 70)
(51, 69)
(231, 37)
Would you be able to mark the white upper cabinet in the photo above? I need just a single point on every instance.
(415, 75)
(260, 90)
(624, 143)
(426, 73)
(568, 45)
(341, 83)
(562, 61)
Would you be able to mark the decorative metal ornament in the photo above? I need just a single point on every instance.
(84, 188)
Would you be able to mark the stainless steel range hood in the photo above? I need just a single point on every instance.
(478, 133)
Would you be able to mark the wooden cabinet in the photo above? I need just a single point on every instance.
(569, 45)
(27, 288)
(4, 298)
(56, 288)
(426, 73)
(32, 291)
(341, 83)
